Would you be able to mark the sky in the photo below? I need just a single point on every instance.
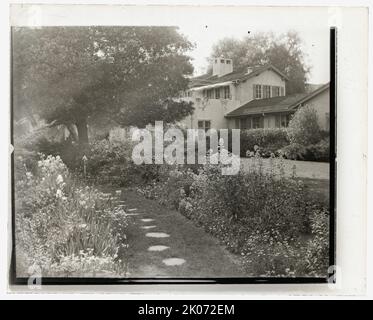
(312, 30)
(203, 25)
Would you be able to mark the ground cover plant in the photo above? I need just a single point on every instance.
(63, 226)
(265, 217)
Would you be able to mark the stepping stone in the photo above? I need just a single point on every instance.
(118, 192)
(134, 209)
(158, 248)
(173, 261)
(131, 214)
(147, 220)
(148, 227)
(157, 235)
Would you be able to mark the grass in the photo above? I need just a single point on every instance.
(318, 190)
(204, 256)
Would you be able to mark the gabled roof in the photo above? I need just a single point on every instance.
(277, 104)
(237, 75)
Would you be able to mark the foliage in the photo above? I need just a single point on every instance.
(268, 141)
(304, 127)
(261, 215)
(294, 151)
(283, 52)
(58, 220)
(319, 151)
(72, 75)
(111, 162)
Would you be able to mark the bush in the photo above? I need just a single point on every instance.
(319, 151)
(304, 127)
(294, 151)
(261, 215)
(58, 220)
(314, 152)
(111, 162)
(268, 140)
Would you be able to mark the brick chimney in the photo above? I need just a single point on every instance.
(221, 66)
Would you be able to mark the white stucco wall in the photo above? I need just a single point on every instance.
(321, 104)
(244, 92)
(215, 109)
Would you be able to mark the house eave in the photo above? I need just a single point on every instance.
(259, 113)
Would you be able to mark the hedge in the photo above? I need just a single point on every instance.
(268, 140)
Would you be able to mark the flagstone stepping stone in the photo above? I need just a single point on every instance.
(158, 248)
(148, 227)
(157, 235)
(134, 209)
(131, 214)
(119, 192)
(147, 220)
(173, 261)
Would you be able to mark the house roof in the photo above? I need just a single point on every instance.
(237, 75)
(277, 104)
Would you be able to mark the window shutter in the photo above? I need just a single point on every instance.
(262, 122)
(278, 121)
(254, 91)
(248, 123)
(237, 123)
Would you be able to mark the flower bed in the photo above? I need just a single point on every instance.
(64, 228)
(263, 216)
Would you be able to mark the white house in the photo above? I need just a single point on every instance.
(250, 97)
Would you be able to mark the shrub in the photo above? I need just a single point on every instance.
(319, 151)
(314, 152)
(58, 219)
(268, 140)
(111, 162)
(294, 151)
(304, 127)
(261, 215)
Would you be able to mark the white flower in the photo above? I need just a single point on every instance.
(59, 179)
(59, 193)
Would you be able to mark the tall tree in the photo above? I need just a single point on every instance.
(284, 52)
(73, 75)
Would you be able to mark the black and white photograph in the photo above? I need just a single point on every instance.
(186, 151)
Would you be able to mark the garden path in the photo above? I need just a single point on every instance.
(163, 243)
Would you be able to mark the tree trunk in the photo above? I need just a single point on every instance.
(82, 131)
(73, 131)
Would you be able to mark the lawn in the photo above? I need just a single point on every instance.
(303, 169)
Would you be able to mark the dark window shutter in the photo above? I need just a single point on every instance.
(278, 121)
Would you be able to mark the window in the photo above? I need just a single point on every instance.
(204, 124)
(266, 92)
(282, 120)
(222, 61)
(217, 93)
(258, 122)
(210, 93)
(227, 92)
(275, 91)
(282, 91)
(237, 123)
(245, 123)
(228, 62)
(257, 91)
